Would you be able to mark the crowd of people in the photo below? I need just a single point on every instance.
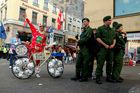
(106, 44)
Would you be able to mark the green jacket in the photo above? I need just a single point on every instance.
(106, 34)
(120, 41)
(85, 36)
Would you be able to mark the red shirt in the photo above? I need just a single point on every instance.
(38, 39)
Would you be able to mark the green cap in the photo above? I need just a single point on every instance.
(106, 18)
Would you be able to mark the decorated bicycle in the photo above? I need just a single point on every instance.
(32, 56)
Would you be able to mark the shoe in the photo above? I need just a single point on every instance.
(120, 78)
(110, 80)
(37, 75)
(83, 80)
(119, 81)
(10, 67)
(98, 81)
(75, 78)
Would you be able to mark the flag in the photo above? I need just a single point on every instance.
(60, 20)
(2, 31)
(25, 24)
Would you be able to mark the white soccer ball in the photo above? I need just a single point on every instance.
(25, 60)
(59, 63)
(28, 72)
(51, 64)
(30, 65)
(51, 70)
(57, 73)
(18, 62)
(20, 74)
(60, 69)
(16, 69)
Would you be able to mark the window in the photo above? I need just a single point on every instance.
(126, 7)
(34, 17)
(35, 3)
(53, 22)
(54, 9)
(45, 4)
(21, 12)
(78, 29)
(69, 27)
(5, 12)
(45, 20)
(74, 28)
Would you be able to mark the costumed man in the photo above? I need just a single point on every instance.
(119, 51)
(37, 44)
(106, 38)
(82, 63)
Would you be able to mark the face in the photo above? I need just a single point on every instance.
(120, 29)
(41, 28)
(85, 23)
(108, 22)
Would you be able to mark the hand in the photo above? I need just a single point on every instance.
(36, 47)
(106, 46)
(112, 46)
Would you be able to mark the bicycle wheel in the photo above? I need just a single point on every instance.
(55, 68)
(23, 68)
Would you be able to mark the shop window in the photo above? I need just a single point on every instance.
(21, 13)
(34, 17)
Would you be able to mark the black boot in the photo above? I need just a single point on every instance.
(98, 80)
(109, 79)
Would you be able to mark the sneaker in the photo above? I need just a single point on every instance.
(10, 67)
(37, 75)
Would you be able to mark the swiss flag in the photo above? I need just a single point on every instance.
(60, 20)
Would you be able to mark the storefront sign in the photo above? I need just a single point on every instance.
(133, 36)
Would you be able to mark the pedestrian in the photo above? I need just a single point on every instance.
(106, 38)
(38, 43)
(119, 51)
(82, 63)
(12, 53)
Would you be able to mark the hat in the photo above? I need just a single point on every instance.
(85, 19)
(118, 26)
(115, 24)
(106, 18)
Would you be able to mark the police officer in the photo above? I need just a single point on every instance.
(82, 63)
(119, 50)
(106, 37)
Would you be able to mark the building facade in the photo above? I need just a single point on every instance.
(122, 11)
(38, 11)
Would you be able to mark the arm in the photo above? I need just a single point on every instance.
(88, 35)
(102, 43)
(112, 46)
(33, 29)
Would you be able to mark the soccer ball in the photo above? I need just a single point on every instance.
(51, 70)
(28, 72)
(25, 60)
(18, 62)
(16, 69)
(30, 65)
(57, 73)
(60, 69)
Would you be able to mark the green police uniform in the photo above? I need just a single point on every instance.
(107, 35)
(82, 63)
(118, 55)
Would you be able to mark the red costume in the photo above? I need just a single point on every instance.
(38, 40)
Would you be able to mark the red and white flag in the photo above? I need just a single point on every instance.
(60, 20)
